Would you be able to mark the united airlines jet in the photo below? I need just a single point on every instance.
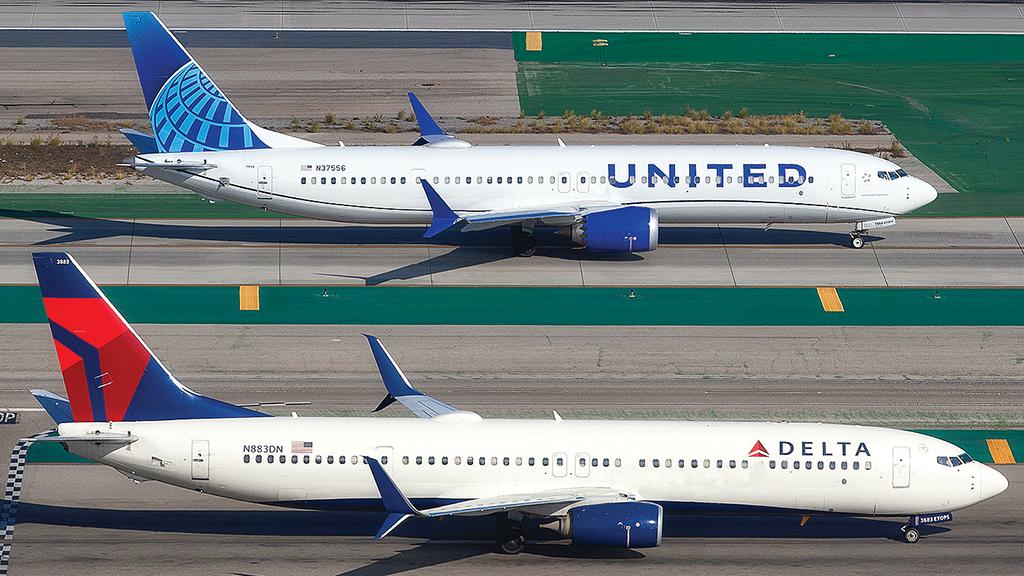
(600, 483)
(604, 198)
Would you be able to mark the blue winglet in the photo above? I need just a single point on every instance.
(428, 127)
(56, 406)
(144, 143)
(394, 379)
(444, 217)
(397, 505)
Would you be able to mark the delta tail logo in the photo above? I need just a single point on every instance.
(758, 451)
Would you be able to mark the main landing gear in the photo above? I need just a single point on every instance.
(510, 533)
(523, 242)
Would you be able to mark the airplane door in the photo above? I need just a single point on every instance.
(849, 181)
(264, 182)
(582, 465)
(564, 182)
(900, 467)
(584, 182)
(558, 465)
(200, 459)
(386, 456)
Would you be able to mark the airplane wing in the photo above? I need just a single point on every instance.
(399, 389)
(430, 133)
(550, 215)
(543, 503)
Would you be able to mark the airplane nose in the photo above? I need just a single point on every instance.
(928, 193)
(993, 483)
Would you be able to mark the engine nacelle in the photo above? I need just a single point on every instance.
(627, 229)
(616, 524)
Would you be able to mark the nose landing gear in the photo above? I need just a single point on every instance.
(856, 240)
(910, 534)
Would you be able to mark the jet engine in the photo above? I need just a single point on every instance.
(614, 524)
(628, 229)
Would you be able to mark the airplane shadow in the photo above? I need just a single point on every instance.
(469, 249)
(445, 540)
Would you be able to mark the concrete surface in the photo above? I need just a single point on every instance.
(658, 15)
(916, 252)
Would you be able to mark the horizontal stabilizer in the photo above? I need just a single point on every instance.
(56, 406)
(92, 438)
(144, 143)
(168, 165)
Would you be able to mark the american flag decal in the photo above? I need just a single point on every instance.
(306, 167)
(300, 447)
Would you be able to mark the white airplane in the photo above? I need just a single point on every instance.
(600, 483)
(605, 198)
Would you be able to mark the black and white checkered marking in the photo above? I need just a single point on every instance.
(12, 494)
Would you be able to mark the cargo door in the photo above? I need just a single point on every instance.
(264, 183)
(200, 459)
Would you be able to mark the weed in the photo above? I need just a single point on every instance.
(314, 127)
(35, 141)
(20, 121)
(839, 125)
(743, 112)
(53, 140)
(401, 115)
(329, 119)
(540, 115)
(896, 149)
(865, 128)
(631, 125)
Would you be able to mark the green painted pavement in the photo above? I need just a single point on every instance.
(127, 205)
(545, 306)
(973, 441)
(957, 102)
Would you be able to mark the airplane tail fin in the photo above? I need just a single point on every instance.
(187, 111)
(109, 372)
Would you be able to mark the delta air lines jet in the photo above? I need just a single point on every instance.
(600, 483)
(604, 198)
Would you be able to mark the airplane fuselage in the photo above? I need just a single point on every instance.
(704, 466)
(684, 183)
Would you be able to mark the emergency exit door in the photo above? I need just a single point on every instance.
(200, 459)
(900, 467)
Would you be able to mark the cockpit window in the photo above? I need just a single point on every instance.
(892, 175)
(943, 460)
(954, 461)
(883, 175)
(965, 458)
(901, 173)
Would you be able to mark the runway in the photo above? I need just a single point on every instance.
(89, 520)
(914, 253)
(535, 15)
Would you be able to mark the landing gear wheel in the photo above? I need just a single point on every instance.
(513, 545)
(856, 241)
(523, 243)
(911, 535)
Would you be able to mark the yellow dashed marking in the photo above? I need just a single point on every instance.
(830, 300)
(533, 42)
(1000, 450)
(248, 297)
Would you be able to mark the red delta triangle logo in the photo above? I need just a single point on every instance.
(758, 451)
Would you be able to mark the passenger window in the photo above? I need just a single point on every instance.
(593, 179)
(479, 179)
(245, 458)
(732, 463)
(796, 465)
(808, 464)
(469, 460)
(344, 180)
(499, 179)
(771, 179)
(334, 180)
(530, 461)
(303, 180)
(718, 464)
(519, 180)
(419, 459)
(693, 463)
(259, 458)
(744, 465)
(323, 180)
(784, 464)
(643, 463)
(373, 179)
(832, 465)
(682, 463)
(618, 462)
(355, 459)
(529, 179)
(583, 462)
(810, 179)
(707, 463)
(559, 461)
(707, 179)
(494, 460)
(402, 179)
(405, 459)
(844, 465)
(867, 465)
(856, 465)
(444, 460)
(605, 462)
(545, 461)
(718, 179)
(482, 460)
(458, 180)
(655, 462)
(320, 461)
(505, 460)
(565, 179)
(821, 465)
(295, 459)
(383, 459)
(341, 459)
(643, 179)
(490, 179)
(632, 179)
(430, 460)
(362, 180)
(771, 464)
(668, 462)
(604, 180)
(593, 462)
